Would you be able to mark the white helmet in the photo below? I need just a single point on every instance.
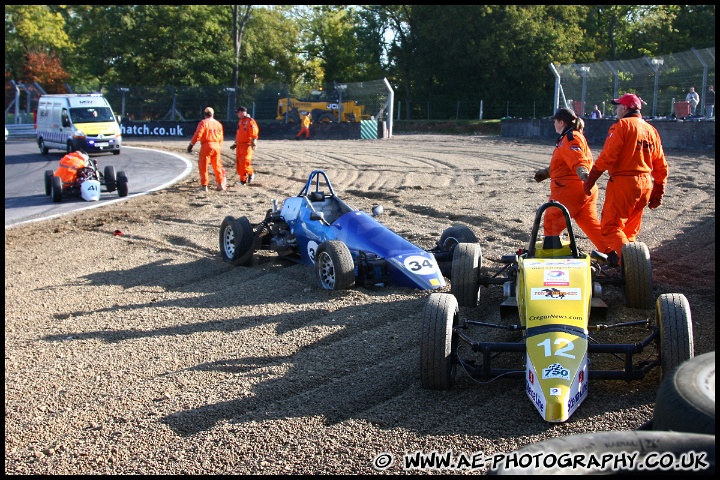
(90, 190)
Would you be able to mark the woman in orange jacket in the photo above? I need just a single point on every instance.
(571, 161)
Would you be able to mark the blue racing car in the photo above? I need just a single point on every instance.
(345, 246)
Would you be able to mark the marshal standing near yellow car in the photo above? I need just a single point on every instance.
(244, 146)
(634, 158)
(570, 164)
(210, 134)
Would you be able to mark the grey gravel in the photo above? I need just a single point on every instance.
(144, 353)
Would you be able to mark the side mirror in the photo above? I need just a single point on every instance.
(377, 210)
(66, 122)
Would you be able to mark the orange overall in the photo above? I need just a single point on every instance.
(69, 166)
(633, 157)
(305, 127)
(247, 130)
(210, 135)
(566, 187)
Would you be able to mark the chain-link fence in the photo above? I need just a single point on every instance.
(661, 82)
(178, 103)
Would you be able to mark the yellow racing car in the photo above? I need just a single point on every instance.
(554, 290)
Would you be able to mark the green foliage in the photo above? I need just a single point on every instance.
(428, 52)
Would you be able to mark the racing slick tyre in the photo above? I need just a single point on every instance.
(56, 189)
(585, 454)
(110, 178)
(236, 241)
(672, 313)
(438, 342)
(48, 182)
(449, 239)
(122, 184)
(637, 272)
(466, 263)
(685, 401)
(43, 149)
(334, 266)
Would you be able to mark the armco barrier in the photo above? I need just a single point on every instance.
(696, 134)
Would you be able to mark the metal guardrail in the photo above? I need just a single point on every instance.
(21, 130)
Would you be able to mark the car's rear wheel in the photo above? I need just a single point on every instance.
(110, 178)
(466, 263)
(685, 401)
(56, 189)
(334, 266)
(122, 184)
(438, 342)
(236, 241)
(48, 182)
(637, 272)
(672, 313)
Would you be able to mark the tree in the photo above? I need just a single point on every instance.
(36, 30)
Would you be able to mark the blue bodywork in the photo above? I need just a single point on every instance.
(380, 255)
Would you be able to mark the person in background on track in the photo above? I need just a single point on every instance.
(305, 127)
(694, 99)
(569, 166)
(244, 146)
(210, 134)
(634, 158)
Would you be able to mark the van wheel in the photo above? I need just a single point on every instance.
(43, 149)
(116, 152)
(69, 148)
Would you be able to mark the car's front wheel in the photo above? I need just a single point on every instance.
(438, 342)
(334, 266)
(236, 241)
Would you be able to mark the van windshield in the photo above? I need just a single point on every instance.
(91, 115)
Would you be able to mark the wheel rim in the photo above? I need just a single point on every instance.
(229, 242)
(327, 271)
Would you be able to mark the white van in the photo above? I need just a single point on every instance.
(72, 122)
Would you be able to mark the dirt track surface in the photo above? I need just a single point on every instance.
(145, 353)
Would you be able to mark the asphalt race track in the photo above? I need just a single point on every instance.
(25, 199)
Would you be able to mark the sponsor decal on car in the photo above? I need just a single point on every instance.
(555, 294)
(556, 371)
(556, 278)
